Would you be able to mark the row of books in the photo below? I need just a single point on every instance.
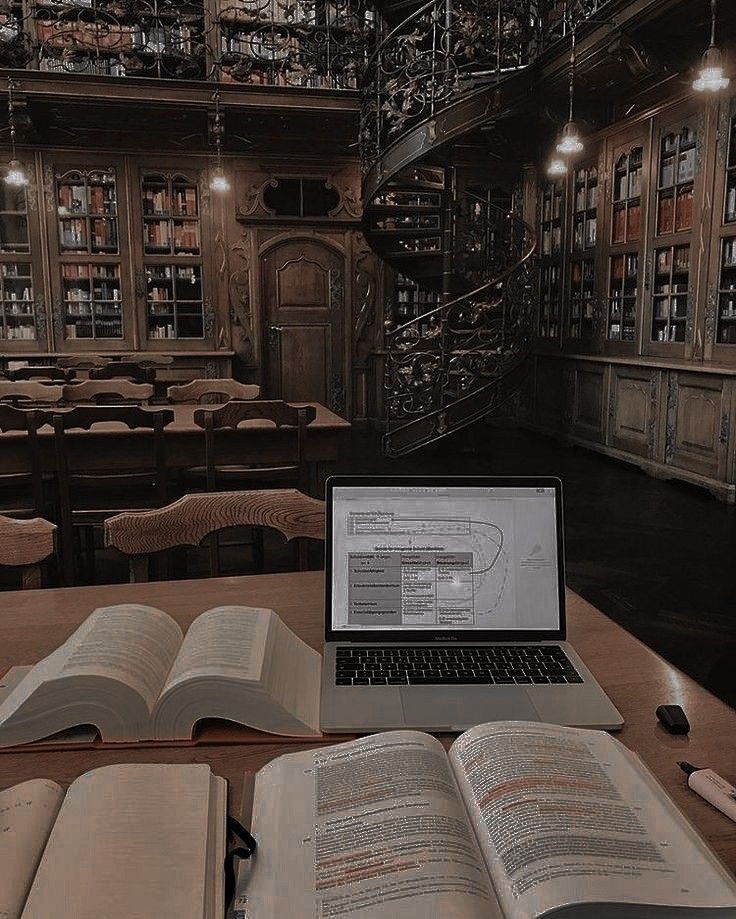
(586, 232)
(18, 332)
(113, 37)
(185, 236)
(103, 235)
(87, 199)
(552, 206)
(157, 202)
(102, 291)
(551, 240)
(675, 214)
(626, 223)
(586, 198)
(83, 270)
(25, 295)
(677, 170)
(627, 183)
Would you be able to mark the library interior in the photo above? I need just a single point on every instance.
(367, 459)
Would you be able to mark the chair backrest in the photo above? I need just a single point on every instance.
(148, 360)
(29, 421)
(124, 370)
(192, 518)
(108, 392)
(100, 481)
(230, 415)
(26, 544)
(40, 373)
(82, 361)
(30, 392)
(200, 389)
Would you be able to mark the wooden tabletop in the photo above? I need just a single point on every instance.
(34, 622)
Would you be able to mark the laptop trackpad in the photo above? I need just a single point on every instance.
(460, 707)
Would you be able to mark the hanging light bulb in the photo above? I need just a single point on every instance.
(219, 181)
(557, 168)
(711, 78)
(570, 143)
(14, 173)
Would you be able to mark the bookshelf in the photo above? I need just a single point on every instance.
(17, 302)
(550, 273)
(585, 209)
(87, 211)
(670, 293)
(623, 294)
(726, 322)
(626, 223)
(410, 301)
(172, 250)
(676, 182)
(92, 301)
(582, 299)
(583, 241)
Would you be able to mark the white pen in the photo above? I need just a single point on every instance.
(712, 787)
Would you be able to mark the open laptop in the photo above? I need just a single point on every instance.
(445, 607)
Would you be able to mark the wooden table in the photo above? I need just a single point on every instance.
(34, 622)
(109, 446)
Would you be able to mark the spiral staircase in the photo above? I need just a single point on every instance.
(442, 70)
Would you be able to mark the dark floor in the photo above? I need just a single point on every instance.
(657, 557)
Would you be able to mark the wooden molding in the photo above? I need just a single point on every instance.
(82, 361)
(98, 390)
(198, 389)
(189, 520)
(231, 414)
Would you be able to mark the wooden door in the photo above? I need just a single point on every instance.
(303, 288)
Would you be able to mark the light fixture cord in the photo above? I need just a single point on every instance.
(572, 75)
(217, 129)
(11, 118)
(713, 15)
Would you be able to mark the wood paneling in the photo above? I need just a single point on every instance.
(697, 423)
(587, 411)
(634, 410)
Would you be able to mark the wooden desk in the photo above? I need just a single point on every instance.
(109, 446)
(34, 622)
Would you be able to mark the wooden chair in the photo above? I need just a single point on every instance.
(41, 373)
(141, 359)
(213, 390)
(124, 370)
(192, 518)
(82, 361)
(229, 417)
(26, 544)
(108, 392)
(29, 393)
(87, 499)
(22, 494)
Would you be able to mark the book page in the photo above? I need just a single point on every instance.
(27, 813)
(130, 643)
(130, 840)
(371, 829)
(565, 817)
(228, 641)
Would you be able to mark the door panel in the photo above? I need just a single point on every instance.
(697, 429)
(635, 409)
(303, 284)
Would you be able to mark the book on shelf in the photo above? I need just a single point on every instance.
(129, 671)
(515, 821)
(123, 840)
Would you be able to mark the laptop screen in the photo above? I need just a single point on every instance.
(445, 558)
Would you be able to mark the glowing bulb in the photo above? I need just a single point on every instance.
(219, 181)
(15, 174)
(570, 142)
(711, 78)
(557, 168)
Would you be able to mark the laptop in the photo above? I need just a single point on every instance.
(445, 607)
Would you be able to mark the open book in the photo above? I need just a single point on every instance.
(133, 840)
(129, 671)
(517, 821)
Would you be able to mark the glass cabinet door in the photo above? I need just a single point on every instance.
(550, 250)
(18, 321)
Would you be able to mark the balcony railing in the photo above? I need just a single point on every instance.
(319, 44)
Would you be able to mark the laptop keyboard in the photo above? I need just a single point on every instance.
(497, 664)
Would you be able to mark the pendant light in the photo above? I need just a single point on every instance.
(15, 174)
(557, 168)
(711, 78)
(219, 181)
(570, 143)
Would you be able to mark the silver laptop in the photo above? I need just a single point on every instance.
(446, 607)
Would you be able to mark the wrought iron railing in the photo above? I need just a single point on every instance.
(296, 43)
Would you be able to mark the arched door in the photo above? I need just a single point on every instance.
(303, 287)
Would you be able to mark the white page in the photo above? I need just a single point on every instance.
(371, 829)
(27, 813)
(129, 841)
(564, 817)
(228, 641)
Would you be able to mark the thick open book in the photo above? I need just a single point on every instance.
(129, 671)
(124, 841)
(517, 821)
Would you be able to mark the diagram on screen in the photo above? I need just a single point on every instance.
(428, 569)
